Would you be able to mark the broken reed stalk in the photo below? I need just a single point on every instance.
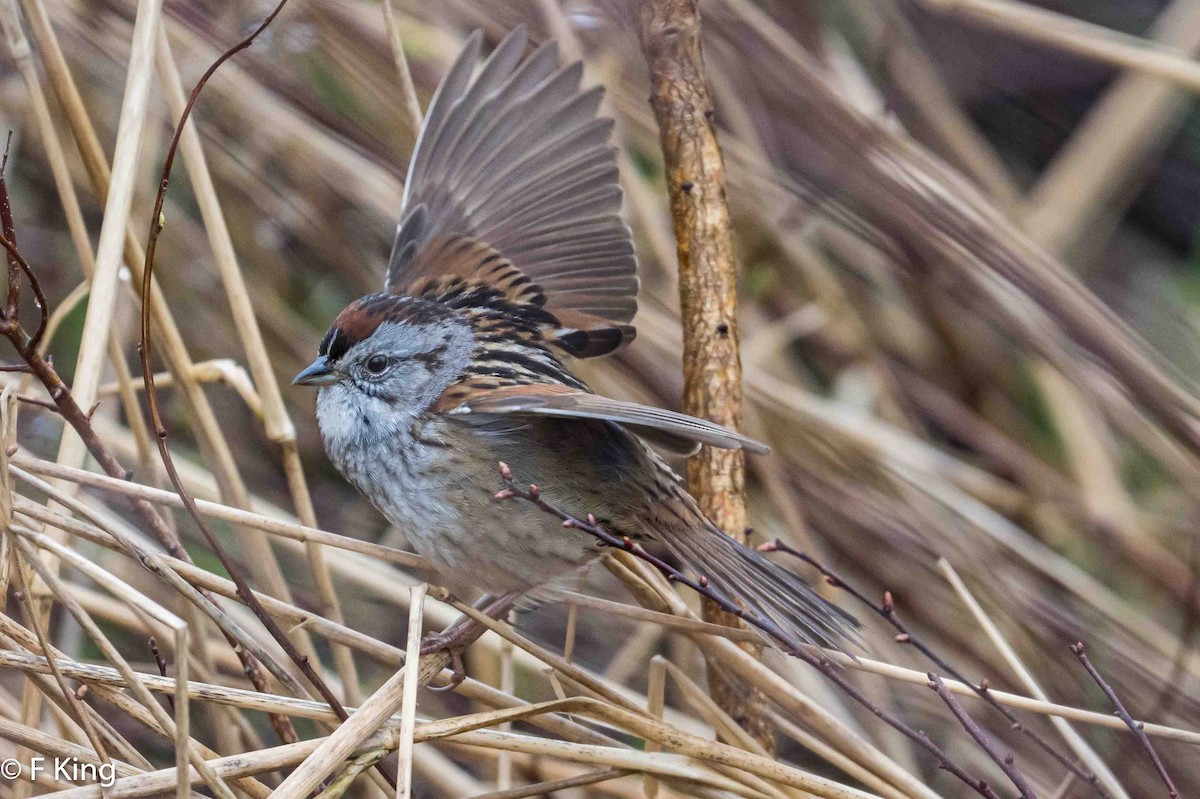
(712, 368)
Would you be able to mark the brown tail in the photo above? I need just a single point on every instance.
(780, 605)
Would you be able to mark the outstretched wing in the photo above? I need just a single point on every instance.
(677, 431)
(516, 162)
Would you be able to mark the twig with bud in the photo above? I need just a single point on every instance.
(810, 655)
(1004, 760)
(887, 610)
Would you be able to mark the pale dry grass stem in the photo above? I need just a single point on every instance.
(936, 383)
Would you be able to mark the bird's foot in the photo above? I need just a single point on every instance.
(453, 641)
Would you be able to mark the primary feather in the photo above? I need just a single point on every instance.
(517, 161)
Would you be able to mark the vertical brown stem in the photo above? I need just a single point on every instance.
(708, 291)
(13, 300)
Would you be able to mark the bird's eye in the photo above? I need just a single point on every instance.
(377, 363)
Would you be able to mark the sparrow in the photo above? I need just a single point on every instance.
(510, 259)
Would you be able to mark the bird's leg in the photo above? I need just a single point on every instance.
(462, 633)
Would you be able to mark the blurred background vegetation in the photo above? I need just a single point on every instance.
(926, 202)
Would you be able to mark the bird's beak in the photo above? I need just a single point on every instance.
(318, 373)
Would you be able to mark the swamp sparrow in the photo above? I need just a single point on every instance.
(511, 256)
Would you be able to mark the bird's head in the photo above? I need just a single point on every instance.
(389, 351)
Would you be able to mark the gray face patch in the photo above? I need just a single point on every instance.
(421, 359)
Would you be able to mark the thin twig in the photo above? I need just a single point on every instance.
(1004, 760)
(162, 665)
(156, 225)
(11, 322)
(707, 590)
(887, 610)
(13, 300)
(1135, 726)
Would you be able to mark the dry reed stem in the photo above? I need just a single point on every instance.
(117, 207)
(712, 754)
(315, 710)
(34, 616)
(351, 733)
(157, 565)
(538, 767)
(341, 744)
(104, 283)
(727, 729)
(408, 698)
(332, 631)
(136, 711)
(53, 746)
(211, 440)
(547, 787)
(60, 171)
(409, 103)
(377, 650)
(216, 510)
(1076, 36)
(228, 767)
(839, 761)
(656, 695)
(1107, 153)
(674, 767)
(98, 170)
(302, 661)
(647, 588)
(1078, 745)
(15, 638)
(286, 612)
(184, 746)
(277, 423)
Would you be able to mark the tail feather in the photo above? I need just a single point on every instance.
(763, 588)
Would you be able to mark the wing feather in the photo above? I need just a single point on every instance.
(571, 403)
(513, 156)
